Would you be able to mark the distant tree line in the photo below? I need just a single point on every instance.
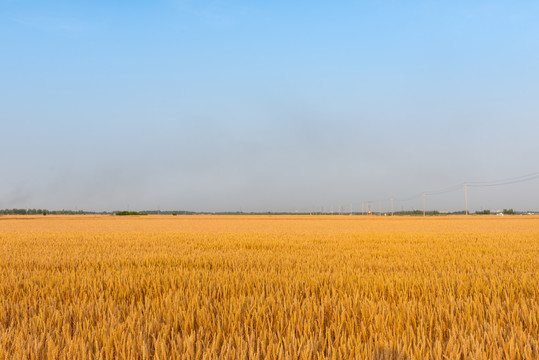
(504, 211)
(428, 213)
(45, 212)
(185, 212)
(127, 213)
(172, 212)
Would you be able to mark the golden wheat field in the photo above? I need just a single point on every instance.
(269, 287)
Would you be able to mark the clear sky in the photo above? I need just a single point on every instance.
(274, 105)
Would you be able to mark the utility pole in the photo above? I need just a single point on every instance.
(380, 207)
(424, 214)
(392, 206)
(363, 208)
(466, 196)
(351, 211)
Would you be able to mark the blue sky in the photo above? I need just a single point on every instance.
(228, 105)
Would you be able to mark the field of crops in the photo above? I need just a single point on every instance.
(261, 287)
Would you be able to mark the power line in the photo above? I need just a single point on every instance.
(445, 191)
(457, 187)
(410, 198)
(506, 181)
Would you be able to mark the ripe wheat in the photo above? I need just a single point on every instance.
(209, 287)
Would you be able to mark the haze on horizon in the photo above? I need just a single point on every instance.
(229, 105)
